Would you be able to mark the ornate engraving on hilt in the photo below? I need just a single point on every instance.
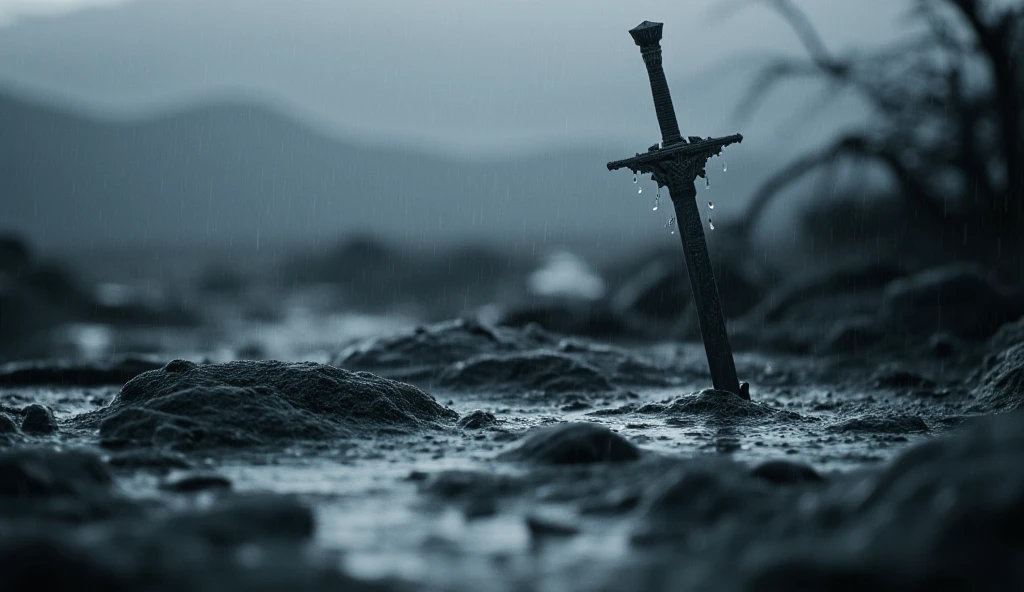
(651, 56)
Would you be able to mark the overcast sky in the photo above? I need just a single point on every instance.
(455, 75)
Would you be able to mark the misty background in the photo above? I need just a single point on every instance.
(257, 124)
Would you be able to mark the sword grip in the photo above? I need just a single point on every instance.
(662, 97)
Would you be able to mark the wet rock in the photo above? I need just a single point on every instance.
(45, 473)
(467, 485)
(961, 300)
(717, 406)
(242, 544)
(117, 370)
(423, 352)
(477, 420)
(782, 472)
(246, 519)
(160, 461)
(1002, 385)
(38, 420)
(546, 371)
(697, 495)
(944, 513)
(882, 424)
(240, 404)
(572, 443)
(196, 482)
(832, 309)
(7, 425)
(546, 527)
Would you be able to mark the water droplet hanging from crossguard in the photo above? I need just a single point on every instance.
(676, 163)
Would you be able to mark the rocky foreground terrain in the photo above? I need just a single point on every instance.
(536, 448)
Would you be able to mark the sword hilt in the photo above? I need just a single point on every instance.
(647, 35)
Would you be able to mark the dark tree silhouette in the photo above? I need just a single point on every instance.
(946, 123)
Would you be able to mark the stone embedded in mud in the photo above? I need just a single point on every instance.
(45, 473)
(1002, 386)
(547, 371)
(245, 519)
(945, 513)
(38, 419)
(424, 351)
(699, 495)
(239, 543)
(962, 300)
(572, 443)
(239, 404)
(719, 406)
(7, 425)
(148, 459)
(882, 424)
(783, 472)
(477, 420)
(195, 483)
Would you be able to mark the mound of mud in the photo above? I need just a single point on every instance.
(718, 406)
(241, 404)
(946, 511)
(422, 353)
(242, 543)
(698, 495)
(546, 371)
(960, 300)
(571, 444)
(1002, 386)
(882, 424)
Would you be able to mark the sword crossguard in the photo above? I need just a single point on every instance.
(692, 157)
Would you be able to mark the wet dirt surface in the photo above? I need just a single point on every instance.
(385, 454)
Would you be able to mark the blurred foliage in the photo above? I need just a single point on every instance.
(946, 125)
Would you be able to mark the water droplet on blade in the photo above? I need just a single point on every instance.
(711, 205)
(711, 224)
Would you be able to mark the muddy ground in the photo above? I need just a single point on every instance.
(282, 429)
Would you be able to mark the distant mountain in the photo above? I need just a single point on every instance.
(244, 175)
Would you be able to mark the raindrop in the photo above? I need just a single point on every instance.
(711, 205)
(707, 182)
(671, 224)
(634, 176)
(711, 224)
(639, 189)
(657, 199)
(725, 165)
